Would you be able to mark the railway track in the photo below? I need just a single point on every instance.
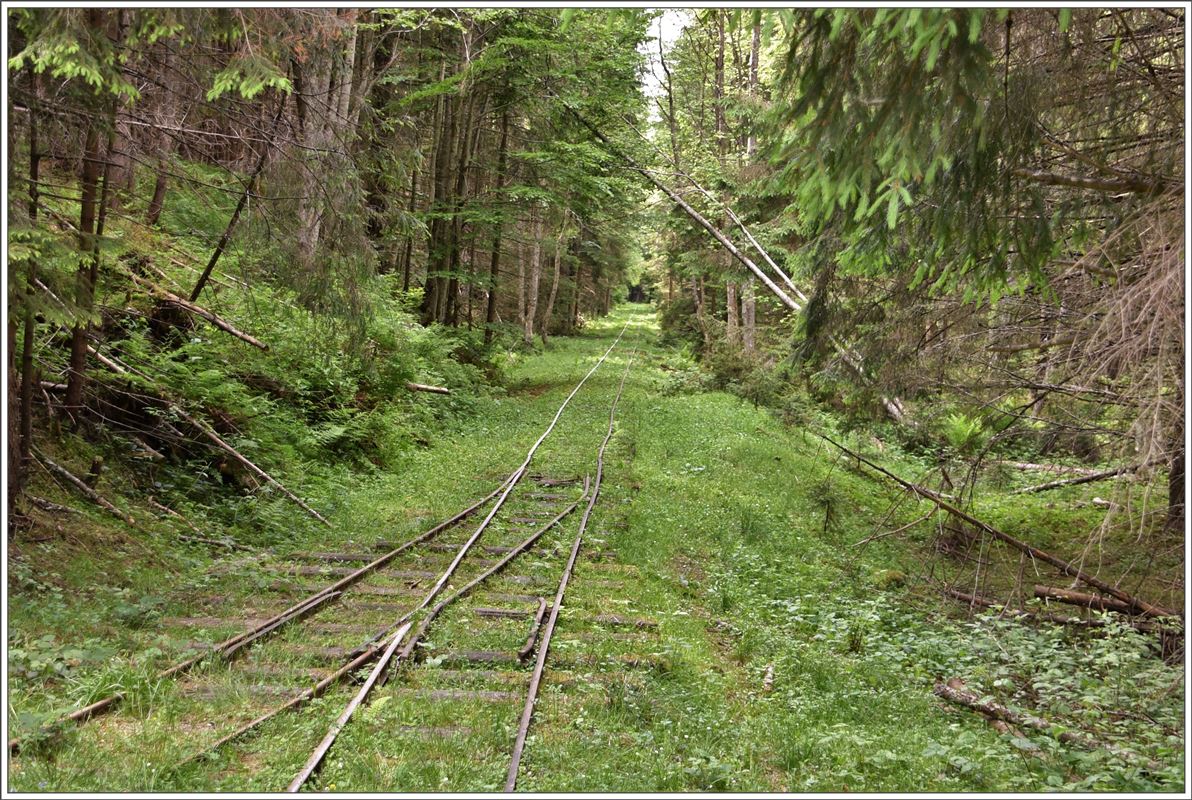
(453, 616)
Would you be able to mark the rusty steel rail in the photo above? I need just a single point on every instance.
(532, 637)
(398, 630)
(523, 728)
(317, 756)
(302, 608)
(370, 649)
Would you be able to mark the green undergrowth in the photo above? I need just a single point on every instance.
(788, 655)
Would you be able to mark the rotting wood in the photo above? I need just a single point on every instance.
(1058, 619)
(1026, 465)
(527, 715)
(1082, 599)
(207, 431)
(1096, 476)
(46, 505)
(423, 387)
(227, 448)
(199, 311)
(954, 690)
(82, 486)
(1066, 567)
(200, 536)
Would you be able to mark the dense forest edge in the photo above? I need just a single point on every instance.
(912, 442)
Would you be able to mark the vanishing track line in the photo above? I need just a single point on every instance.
(382, 601)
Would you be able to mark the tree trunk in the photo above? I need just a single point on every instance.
(25, 436)
(87, 272)
(554, 290)
(573, 317)
(748, 296)
(235, 218)
(748, 315)
(521, 284)
(1175, 480)
(490, 314)
(731, 326)
(438, 247)
(407, 256)
(754, 54)
(537, 215)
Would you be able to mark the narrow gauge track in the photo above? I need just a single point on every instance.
(379, 592)
(499, 644)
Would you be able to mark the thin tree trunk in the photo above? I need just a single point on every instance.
(490, 314)
(748, 295)
(537, 215)
(574, 315)
(84, 278)
(248, 190)
(521, 284)
(748, 315)
(554, 290)
(732, 325)
(438, 245)
(408, 255)
(1175, 479)
(27, 376)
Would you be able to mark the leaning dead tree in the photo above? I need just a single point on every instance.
(1067, 567)
(892, 405)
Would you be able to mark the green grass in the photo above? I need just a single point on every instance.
(737, 534)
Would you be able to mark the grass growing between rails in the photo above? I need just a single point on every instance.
(785, 657)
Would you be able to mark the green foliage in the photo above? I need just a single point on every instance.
(965, 434)
(138, 684)
(248, 75)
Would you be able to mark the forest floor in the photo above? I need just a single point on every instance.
(785, 657)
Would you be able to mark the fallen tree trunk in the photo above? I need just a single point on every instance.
(82, 486)
(954, 690)
(1058, 619)
(200, 537)
(422, 387)
(1096, 476)
(199, 311)
(1081, 599)
(1066, 567)
(1061, 468)
(213, 436)
(893, 406)
(251, 467)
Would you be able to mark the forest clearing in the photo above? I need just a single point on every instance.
(619, 400)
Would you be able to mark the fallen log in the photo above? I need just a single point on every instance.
(210, 434)
(82, 486)
(1081, 599)
(422, 387)
(46, 505)
(1066, 567)
(227, 448)
(1058, 619)
(1026, 465)
(199, 311)
(1096, 476)
(954, 690)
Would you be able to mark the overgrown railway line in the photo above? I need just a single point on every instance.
(451, 616)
